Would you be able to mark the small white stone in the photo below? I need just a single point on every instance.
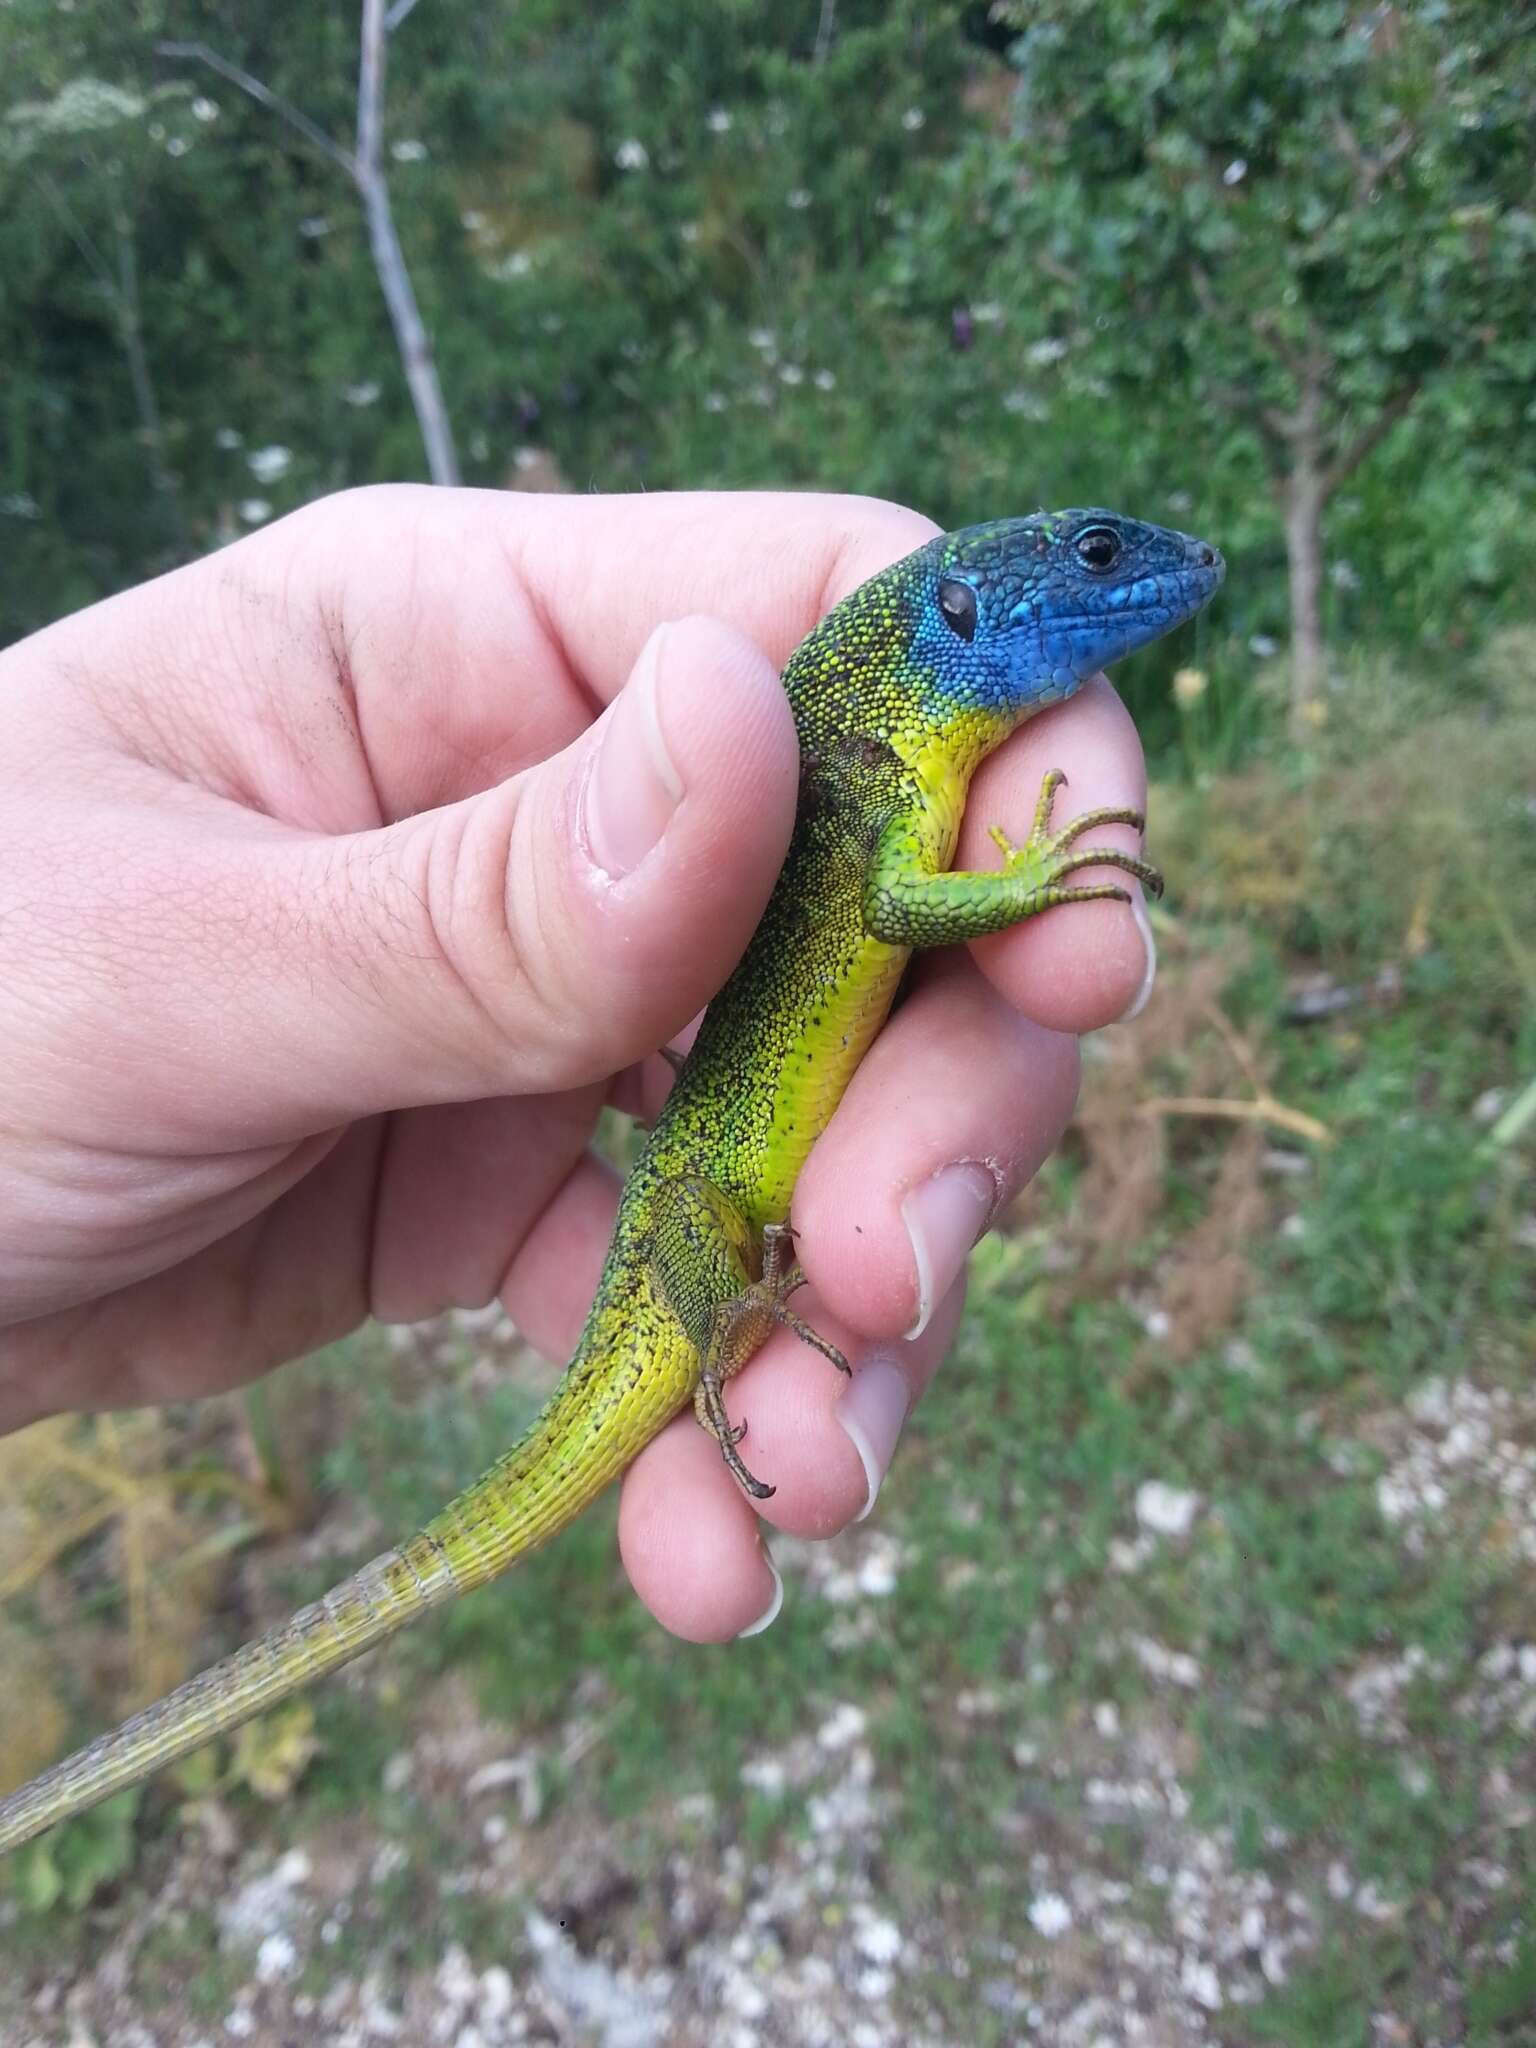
(1200, 1981)
(495, 1994)
(1050, 1915)
(1166, 1510)
(879, 1939)
(842, 1727)
(1158, 1661)
(276, 1958)
(766, 1774)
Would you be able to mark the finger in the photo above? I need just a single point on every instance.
(1081, 965)
(461, 1189)
(688, 1534)
(288, 1281)
(394, 649)
(561, 595)
(535, 937)
(956, 1105)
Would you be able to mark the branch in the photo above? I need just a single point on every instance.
(1370, 170)
(370, 96)
(120, 289)
(1370, 438)
(1267, 328)
(95, 262)
(826, 28)
(364, 168)
(285, 110)
(1264, 1110)
(388, 257)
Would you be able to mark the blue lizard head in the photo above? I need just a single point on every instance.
(1018, 613)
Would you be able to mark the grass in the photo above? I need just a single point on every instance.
(1254, 1332)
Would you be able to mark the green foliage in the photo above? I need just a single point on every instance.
(878, 248)
(1222, 202)
(70, 1865)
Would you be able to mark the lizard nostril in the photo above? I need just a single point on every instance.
(1207, 557)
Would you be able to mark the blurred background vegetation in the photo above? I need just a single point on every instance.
(1184, 1687)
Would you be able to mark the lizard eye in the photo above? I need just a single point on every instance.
(1098, 547)
(957, 601)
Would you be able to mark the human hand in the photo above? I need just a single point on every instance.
(343, 877)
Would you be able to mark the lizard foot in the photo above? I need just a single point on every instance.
(783, 1277)
(738, 1328)
(1047, 858)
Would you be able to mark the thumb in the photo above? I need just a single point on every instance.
(536, 936)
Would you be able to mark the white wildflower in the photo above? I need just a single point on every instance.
(270, 463)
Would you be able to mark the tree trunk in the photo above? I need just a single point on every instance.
(1302, 496)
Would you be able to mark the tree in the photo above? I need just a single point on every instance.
(1287, 217)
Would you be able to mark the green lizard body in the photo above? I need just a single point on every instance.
(898, 695)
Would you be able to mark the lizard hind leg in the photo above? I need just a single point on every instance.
(783, 1277)
(728, 1294)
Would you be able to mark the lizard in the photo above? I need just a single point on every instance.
(897, 695)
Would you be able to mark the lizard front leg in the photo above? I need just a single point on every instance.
(907, 903)
(728, 1294)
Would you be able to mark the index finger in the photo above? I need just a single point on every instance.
(483, 630)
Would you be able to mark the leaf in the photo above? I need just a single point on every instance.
(73, 1861)
(272, 1754)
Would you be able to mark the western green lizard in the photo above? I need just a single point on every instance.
(898, 695)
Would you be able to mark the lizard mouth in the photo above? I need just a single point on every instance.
(1184, 592)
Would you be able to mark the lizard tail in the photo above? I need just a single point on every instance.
(542, 1483)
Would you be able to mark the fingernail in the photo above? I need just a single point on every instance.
(944, 1217)
(1139, 1001)
(634, 787)
(770, 1613)
(872, 1411)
